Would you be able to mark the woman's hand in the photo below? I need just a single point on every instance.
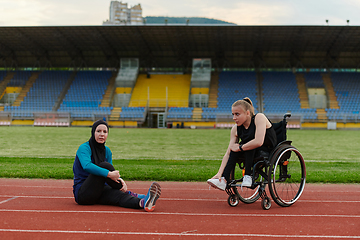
(114, 175)
(234, 147)
(124, 188)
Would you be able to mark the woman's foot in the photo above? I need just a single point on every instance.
(151, 197)
(141, 196)
(247, 181)
(216, 183)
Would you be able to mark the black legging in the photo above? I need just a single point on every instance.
(234, 157)
(94, 191)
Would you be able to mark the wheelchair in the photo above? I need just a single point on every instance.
(282, 169)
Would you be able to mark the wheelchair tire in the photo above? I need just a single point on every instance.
(233, 200)
(287, 175)
(266, 203)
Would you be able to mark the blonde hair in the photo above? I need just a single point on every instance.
(246, 103)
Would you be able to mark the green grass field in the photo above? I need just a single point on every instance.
(167, 154)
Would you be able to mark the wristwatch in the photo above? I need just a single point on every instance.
(240, 147)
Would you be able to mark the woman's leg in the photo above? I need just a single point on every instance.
(249, 161)
(231, 163)
(91, 190)
(111, 196)
(110, 182)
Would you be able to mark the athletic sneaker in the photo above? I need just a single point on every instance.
(141, 196)
(217, 183)
(151, 197)
(247, 181)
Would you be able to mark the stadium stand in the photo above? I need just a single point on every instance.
(23, 79)
(5, 78)
(314, 80)
(333, 103)
(347, 89)
(24, 91)
(303, 95)
(19, 79)
(213, 92)
(106, 100)
(43, 94)
(280, 94)
(85, 94)
(2, 75)
(196, 114)
(115, 114)
(161, 90)
(272, 92)
(233, 85)
(133, 112)
(180, 113)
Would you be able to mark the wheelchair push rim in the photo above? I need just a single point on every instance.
(287, 176)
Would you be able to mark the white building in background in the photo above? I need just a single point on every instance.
(121, 14)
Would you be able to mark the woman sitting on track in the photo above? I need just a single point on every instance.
(97, 182)
(256, 133)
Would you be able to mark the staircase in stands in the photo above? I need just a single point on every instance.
(213, 92)
(26, 88)
(4, 83)
(303, 94)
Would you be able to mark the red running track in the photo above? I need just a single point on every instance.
(45, 209)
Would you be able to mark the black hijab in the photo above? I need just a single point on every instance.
(97, 149)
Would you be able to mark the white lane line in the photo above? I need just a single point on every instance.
(184, 199)
(183, 234)
(39, 197)
(175, 188)
(7, 200)
(183, 214)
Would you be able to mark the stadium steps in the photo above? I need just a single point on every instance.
(304, 98)
(115, 114)
(5, 82)
(26, 88)
(197, 112)
(106, 101)
(213, 92)
(121, 97)
(333, 102)
(321, 115)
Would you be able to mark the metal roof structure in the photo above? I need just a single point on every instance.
(169, 46)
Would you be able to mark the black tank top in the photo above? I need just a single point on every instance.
(246, 135)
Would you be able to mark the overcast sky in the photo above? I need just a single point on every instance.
(241, 12)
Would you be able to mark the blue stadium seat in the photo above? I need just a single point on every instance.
(84, 96)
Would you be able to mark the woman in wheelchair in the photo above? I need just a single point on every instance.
(257, 135)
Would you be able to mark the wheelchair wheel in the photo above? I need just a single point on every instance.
(266, 203)
(287, 175)
(233, 200)
(245, 195)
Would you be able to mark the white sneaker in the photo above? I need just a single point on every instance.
(247, 181)
(217, 183)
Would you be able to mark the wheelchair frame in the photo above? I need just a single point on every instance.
(273, 169)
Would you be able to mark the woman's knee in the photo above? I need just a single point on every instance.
(107, 166)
